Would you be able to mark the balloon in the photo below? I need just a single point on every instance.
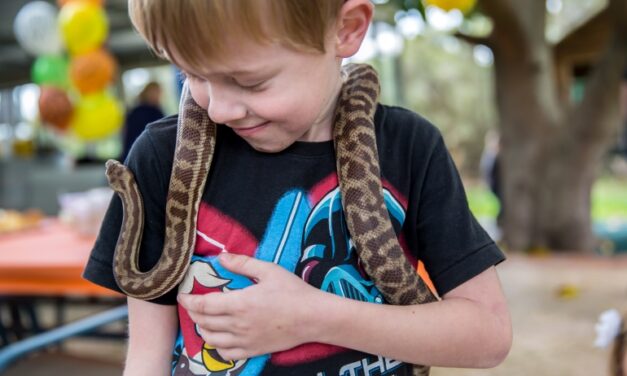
(95, 2)
(96, 116)
(36, 29)
(83, 26)
(464, 6)
(55, 107)
(92, 71)
(50, 70)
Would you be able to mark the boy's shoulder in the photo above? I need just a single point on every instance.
(399, 125)
(163, 127)
(158, 136)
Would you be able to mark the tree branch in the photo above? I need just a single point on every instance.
(593, 116)
(474, 40)
(508, 28)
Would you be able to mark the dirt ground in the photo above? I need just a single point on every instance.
(554, 300)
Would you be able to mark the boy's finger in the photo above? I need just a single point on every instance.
(213, 323)
(208, 304)
(246, 266)
(218, 339)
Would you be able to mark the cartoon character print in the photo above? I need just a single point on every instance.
(192, 356)
(217, 233)
(205, 276)
(312, 242)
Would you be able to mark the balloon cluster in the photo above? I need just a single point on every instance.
(74, 93)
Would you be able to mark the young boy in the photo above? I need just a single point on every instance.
(269, 72)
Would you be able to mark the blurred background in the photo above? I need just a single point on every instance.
(531, 98)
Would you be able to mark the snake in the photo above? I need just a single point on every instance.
(361, 192)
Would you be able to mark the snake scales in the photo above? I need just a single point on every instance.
(360, 186)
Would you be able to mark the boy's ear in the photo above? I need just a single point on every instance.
(352, 25)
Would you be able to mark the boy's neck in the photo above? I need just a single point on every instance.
(322, 128)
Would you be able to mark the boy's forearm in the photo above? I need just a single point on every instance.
(455, 332)
(428, 334)
(152, 332)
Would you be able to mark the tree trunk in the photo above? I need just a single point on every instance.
(565, 189)
(522, 153)
(550, 150)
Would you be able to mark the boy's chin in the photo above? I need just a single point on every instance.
(267, 147)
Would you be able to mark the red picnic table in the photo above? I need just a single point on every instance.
(47, 261)
(44, 263)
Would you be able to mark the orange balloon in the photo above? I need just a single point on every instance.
(95, 2)
(93, 71)
(55, 107)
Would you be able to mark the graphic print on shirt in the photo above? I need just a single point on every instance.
(307, 235)
(328, 259)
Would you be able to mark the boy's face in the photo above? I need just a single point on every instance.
(270, 95)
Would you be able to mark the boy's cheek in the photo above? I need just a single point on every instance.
(199, 93)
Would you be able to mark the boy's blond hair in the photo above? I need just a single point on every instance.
(195, 29)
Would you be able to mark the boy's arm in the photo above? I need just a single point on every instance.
(469, 328)
(152, 332)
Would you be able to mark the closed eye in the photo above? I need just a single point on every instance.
(257, 86)
(253, 86)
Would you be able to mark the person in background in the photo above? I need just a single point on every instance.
(147, 110)
(622, 141)
(490, 167)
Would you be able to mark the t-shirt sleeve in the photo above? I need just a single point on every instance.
(152, 176)
(451, 243)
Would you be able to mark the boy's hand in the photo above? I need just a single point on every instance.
(266, 317)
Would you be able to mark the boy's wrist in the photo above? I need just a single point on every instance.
(321, 320)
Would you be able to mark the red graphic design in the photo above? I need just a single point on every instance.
(221, 230)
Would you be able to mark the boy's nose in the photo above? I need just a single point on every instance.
(224, 109)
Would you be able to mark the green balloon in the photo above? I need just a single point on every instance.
(50, 70)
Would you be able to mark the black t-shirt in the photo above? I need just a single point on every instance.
(285, 208)
(135, 123)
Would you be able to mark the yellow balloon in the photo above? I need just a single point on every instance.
(97, 116)
(464, 6)
(83, 26)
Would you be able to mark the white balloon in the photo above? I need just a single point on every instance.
(36, 28)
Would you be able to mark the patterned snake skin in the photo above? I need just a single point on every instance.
(360, 186)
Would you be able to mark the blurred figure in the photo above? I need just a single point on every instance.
(622, 141)
(618, 152)
(490, 170)
(618, 360)
(147, 110)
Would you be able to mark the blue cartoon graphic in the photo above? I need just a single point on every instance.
(328, 259)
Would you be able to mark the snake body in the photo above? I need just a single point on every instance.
(360, 187)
